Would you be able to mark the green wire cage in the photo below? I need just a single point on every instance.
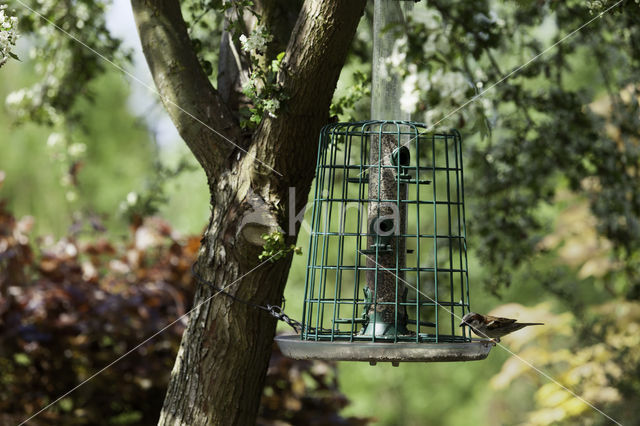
(387, 272)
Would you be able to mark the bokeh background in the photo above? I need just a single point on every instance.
(101, 207)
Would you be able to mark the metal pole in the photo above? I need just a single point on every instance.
(387, 220)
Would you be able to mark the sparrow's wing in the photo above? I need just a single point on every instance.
(498, 322)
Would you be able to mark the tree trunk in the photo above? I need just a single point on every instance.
(219, 372)
(220, 369)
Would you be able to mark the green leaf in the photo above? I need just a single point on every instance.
(21, 359)
(66, 404)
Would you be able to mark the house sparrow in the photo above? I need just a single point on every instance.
(493, 327)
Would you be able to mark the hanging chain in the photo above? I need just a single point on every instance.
(274, 310)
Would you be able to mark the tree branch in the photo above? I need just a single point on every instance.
(279, 16)
(314, 58)
(201, 117)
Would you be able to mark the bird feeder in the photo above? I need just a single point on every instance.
(387, 276)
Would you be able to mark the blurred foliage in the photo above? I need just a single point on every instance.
(57, 177)
(543, 132)
(532, 131)
(343, 105)
(153, 196)
(589, 348)
(204, 22)
(66, 66)
(602, 367)
(302, 392)
(70, 307)
(113, 156)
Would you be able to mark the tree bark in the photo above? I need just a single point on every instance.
(219, 372)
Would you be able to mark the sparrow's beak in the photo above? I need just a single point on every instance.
(462, 323)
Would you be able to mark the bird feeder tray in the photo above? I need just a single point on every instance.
(387, 273)
(291, 345)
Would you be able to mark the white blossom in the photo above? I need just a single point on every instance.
(8, 34)
(398, 53)
(429, 47)
(410, 94)
(455, 84)
(432, 20)
(480, 74)
(82, 12)
(257, 41)
(486, 104)
(431, 117)
(15, 98)
(132, 198)
(77, 149)
(54, 139)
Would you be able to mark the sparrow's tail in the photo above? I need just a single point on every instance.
(531, 323)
